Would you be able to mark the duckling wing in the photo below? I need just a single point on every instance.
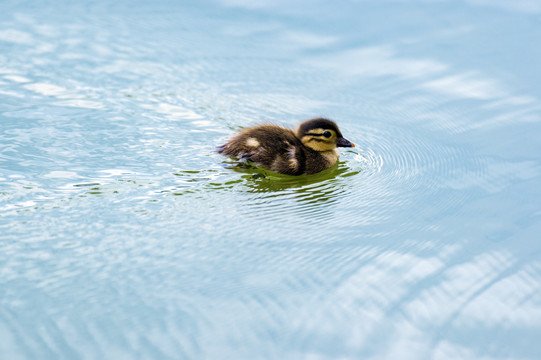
(271, 147)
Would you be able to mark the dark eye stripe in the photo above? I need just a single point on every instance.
(315, 134)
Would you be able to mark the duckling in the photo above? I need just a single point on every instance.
(309, 149)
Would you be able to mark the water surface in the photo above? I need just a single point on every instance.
(124, 235)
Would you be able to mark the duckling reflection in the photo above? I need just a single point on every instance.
(261, 180)
(274, 195)
(308, 150)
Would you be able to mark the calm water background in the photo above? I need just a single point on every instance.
(124, 236)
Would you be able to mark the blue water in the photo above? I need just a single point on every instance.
(123, 235)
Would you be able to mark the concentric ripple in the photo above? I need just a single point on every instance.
(389, 170)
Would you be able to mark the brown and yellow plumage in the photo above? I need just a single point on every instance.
(308, 150)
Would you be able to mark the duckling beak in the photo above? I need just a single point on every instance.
(344, 143)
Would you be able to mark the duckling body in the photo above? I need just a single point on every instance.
(308, 150)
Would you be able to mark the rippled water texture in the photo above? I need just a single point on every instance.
(123, 235)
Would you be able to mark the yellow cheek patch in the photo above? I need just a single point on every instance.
(318, 144)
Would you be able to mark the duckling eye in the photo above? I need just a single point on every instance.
(327, 134)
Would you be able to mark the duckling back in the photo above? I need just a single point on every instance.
(269, 146)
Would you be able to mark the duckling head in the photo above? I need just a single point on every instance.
(321, 135)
